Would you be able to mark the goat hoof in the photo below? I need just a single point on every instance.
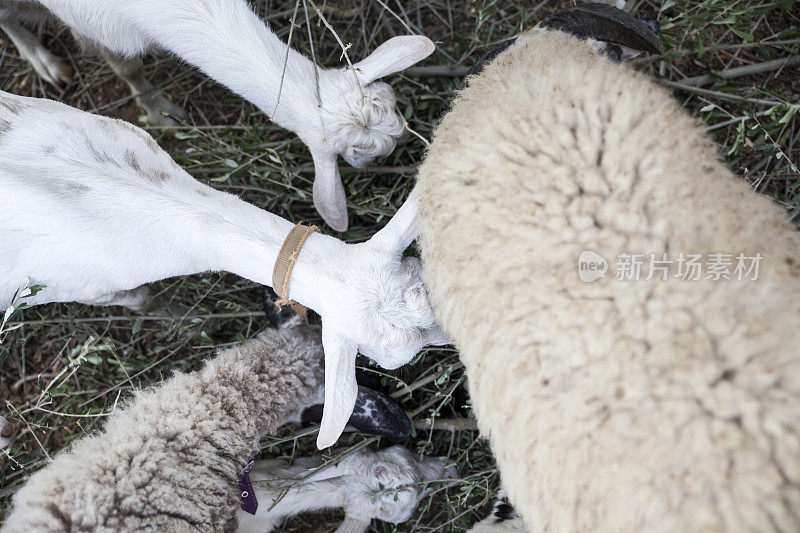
(161, 112)
(52, 69)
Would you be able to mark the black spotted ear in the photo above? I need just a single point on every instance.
(603, 22)
(377, 414)
(374, 413)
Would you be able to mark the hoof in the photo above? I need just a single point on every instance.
(52, 69)
(161, 112)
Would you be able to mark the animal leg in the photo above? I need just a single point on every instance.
(7, 432)
(155, 105)
(51, 68)
(137, 299)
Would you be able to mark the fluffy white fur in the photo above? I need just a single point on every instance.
(614, 405)
(351, 114)
(385, 485)
(93, 208)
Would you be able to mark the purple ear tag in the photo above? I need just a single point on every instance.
(246, 492)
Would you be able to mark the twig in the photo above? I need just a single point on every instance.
(455, 71)
(17, 384)
(717, 94)
(117, 318)
(286, 59)
(408, 389)
(448, 424)
(719, 48)
(738, 119)
(408, 169)
(747, 70)
(341, 45)
(340, 13)
(317, 92)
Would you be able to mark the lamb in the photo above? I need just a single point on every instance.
(387, 485)
(653, 405)
(93, 209)
(333, 111)
(172, 459)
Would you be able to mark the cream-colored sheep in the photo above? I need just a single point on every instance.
(651, 405)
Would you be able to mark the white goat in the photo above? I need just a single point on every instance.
(386, 485)
(93, 208)
(334, 111)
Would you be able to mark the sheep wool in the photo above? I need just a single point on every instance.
(171, 460)
(616, 405)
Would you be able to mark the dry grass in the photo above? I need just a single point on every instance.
(91, 357)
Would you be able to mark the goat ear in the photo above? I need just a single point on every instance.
(340, 386)
(401, 230)
(329, 197)
(396, 54)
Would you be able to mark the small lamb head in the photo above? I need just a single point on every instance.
(390, 483)
(383, 311)
(359, 119)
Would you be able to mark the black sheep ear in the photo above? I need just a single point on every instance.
(280, 317)
(625, 35)
(374, 413)
(623, 32)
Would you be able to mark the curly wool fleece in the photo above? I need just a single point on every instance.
(614, 405)
(170, 461)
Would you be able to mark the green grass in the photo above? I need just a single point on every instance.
(92, 357)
